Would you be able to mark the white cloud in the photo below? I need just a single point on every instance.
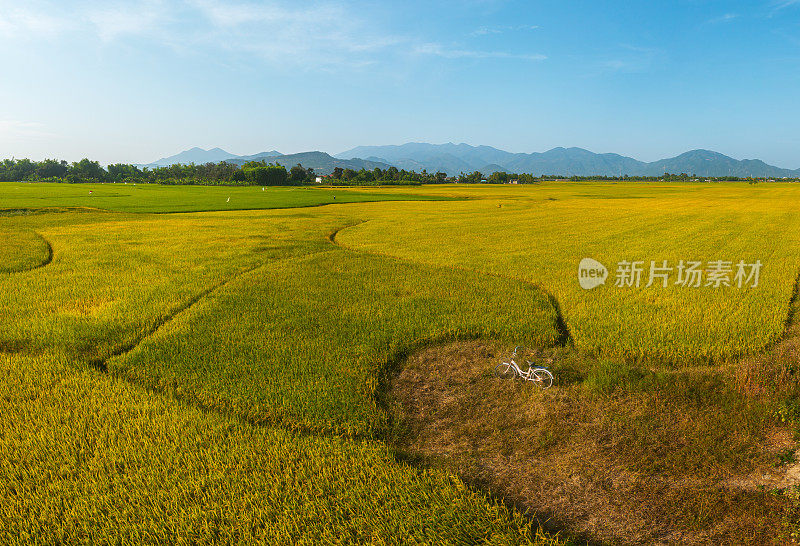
(311, 35)
(630, 59)
(726, 18)
(785, 4)
(317, 35)
(614, 64)
(229, 16)
(32, 20)
(453, 53)
(118, 20)
(321, 35)
(17, 130)
(776, 6)
(483, 31)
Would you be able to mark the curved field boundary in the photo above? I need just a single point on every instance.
(49, 257)
(391, 363)
(46, 261)
(102, 363)
(790, 316)
(564, 335)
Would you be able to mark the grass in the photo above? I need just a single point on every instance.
(250, 365)
(623, 455)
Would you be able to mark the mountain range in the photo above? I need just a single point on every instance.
(193, 155)
(456, 158)
(321, 162)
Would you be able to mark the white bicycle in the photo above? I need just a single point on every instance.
(510, 370)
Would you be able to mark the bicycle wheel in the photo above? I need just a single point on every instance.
(543, 377)
(505, 371)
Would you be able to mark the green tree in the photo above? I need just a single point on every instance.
(261, 174)
(52, 168)
(121, 171)
(297, 174)
(87, 171)
(498, 177)
(471, 178)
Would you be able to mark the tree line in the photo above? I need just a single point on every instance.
(685, 177)
(86, 171)
(261, 173)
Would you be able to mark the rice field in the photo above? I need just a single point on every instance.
(315, 360)
(122, 197)
(88, 458)
(222, 375)
(540, 235)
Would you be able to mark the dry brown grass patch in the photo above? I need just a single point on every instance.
(578, 460)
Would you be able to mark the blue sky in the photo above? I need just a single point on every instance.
(134, 81)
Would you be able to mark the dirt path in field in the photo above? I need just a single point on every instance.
(554, 454)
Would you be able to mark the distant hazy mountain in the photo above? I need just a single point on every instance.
(199, 156)
(458, 156)
(259, 156)
(486, 170)
(194, 155)
(454, 158)
(708, 163)
(407, 164)
(573, 161)
(321, 162)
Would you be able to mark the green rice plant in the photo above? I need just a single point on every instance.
(607, 375)
(120, 197)
(114, 278)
